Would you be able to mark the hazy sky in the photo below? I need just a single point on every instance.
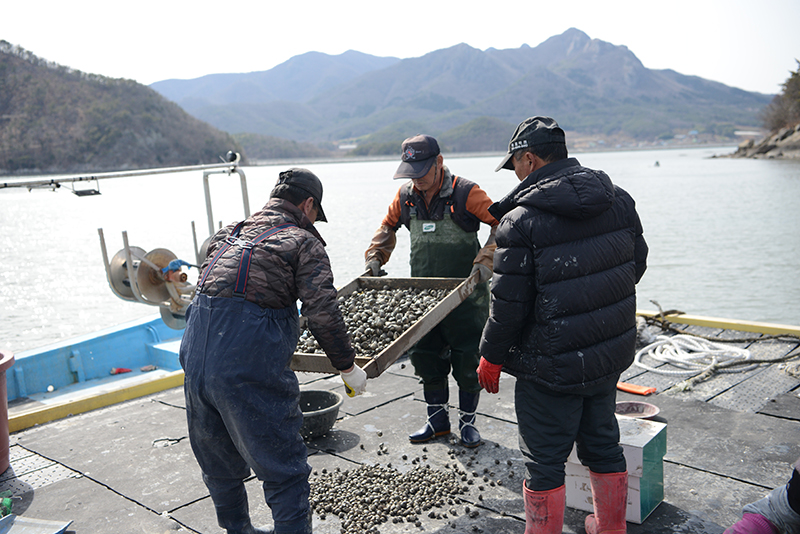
(743, 43)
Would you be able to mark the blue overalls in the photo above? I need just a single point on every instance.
(242, 402)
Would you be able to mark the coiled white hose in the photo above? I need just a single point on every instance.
(692, 355)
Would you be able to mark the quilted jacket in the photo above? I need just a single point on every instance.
(288, 265)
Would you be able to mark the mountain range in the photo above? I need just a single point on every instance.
(591, 87)
(57, 119)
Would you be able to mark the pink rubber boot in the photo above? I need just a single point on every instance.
(544, 510)
(610, 497)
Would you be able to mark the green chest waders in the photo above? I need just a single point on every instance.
(443, 249)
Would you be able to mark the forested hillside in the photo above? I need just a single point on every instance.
(55, 119)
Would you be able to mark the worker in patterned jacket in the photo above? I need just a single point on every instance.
(443, 213)
(242, 398)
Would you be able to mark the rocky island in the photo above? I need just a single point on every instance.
(784, 144)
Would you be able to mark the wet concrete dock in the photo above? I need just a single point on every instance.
(128, 468)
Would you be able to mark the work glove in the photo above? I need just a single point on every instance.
(355, 381)
(486, 272)
(489, 375)
(374, 266)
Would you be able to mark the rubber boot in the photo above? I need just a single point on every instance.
(752, 524)
(250, 529)
(303, 527)
(610, 497)
(468, 405)
(231, 507)
(438, 423)
(544, 510)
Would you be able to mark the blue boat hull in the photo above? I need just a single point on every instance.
(84, 360)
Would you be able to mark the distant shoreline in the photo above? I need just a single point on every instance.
(458, 155)
(393, 157)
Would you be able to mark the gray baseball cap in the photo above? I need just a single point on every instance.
(419, 153)
(531, 132)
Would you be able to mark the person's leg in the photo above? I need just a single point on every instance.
(599, 450)
(464, 359)
(430, 358)
(223, 468)
(462, 331)
(266, 427)
(263, 416)
(548, 424)
(598, 435)
(257, 395)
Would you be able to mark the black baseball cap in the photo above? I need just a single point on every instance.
(531, 132)
(419, 153)
(308, 182)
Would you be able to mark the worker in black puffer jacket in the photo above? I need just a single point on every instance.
(570, 251)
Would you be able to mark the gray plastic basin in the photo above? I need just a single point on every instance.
(320, 410)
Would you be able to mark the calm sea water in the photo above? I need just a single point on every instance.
(723, 234)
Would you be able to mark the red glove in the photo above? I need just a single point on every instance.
(489, 375)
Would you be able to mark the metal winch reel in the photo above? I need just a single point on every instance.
(146, 277)
(118, 273)
(156, 278)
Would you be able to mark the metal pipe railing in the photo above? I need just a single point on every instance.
(231, 166)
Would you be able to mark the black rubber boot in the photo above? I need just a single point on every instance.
(468, 405)
(438, 423)
(304, 528)
(250, 529)
(230, 504)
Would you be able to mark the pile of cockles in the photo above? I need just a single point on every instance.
(368, 496)
(377, 317)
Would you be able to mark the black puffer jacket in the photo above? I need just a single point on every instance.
(289, 265)
(570, 251)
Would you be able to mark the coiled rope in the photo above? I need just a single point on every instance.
(692, 356)
(699, 356)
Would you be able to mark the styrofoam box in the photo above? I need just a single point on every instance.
(644, 444)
